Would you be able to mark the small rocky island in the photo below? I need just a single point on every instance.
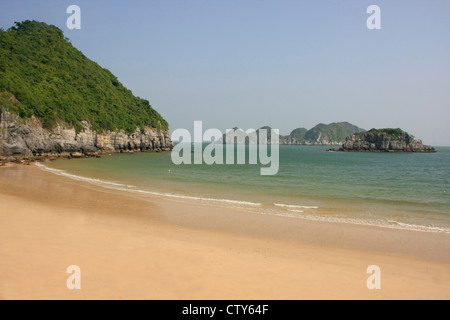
(384, 140)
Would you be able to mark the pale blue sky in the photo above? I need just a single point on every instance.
(287, 64)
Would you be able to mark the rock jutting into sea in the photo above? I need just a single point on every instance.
(25, 140)
(384, 140)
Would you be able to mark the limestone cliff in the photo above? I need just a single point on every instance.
(385, 140)
(27, 139)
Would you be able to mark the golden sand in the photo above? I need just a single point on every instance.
(154, 248)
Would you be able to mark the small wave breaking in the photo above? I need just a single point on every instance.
(278, 209)
(133, 189)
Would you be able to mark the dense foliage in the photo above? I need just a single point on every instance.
(392, 133)
(299, 133)
(336, 131)
(42, 74)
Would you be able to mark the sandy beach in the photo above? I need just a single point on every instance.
(130, 247)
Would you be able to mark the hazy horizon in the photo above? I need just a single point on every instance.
(284, 64)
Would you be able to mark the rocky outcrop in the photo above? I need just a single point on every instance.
(380, 141)
(26, 139)
(251, 136)
(289, 140)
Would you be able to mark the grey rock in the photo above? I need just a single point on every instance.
(382, 142)
(28, 138)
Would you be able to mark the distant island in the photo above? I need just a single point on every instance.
(384, 140)
(349, 137)
(333, 134)
(55, 102)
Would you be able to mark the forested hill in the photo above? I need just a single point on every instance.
(322, 134)
(42, 74)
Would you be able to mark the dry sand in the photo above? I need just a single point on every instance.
(154, 248)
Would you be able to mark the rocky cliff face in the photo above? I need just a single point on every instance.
(26, 139)
(383, 142)
(289, 140)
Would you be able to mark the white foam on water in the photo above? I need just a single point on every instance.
(382, 223)
(294, 206)
(79, 178)
(296, 211)
(292, 211)
(416, 227)
(130, 188)
(178, 196)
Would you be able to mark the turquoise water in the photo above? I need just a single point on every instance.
(395, 190)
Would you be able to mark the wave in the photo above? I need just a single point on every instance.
(80, 178)
(294, 206)
(178, 196)
(285, 210)
(382, 223)
(408, 226)
(133, 189)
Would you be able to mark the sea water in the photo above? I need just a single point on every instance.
(392, 190)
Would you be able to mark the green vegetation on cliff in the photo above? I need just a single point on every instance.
(42, 74)
(299, 133)
(336, 131)
(391, 133)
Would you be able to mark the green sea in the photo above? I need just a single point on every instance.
(392, 190)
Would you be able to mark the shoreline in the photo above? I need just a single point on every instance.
(154, 248)
(28, 159)
(257, 206)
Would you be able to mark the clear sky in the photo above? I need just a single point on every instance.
(286, 64)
